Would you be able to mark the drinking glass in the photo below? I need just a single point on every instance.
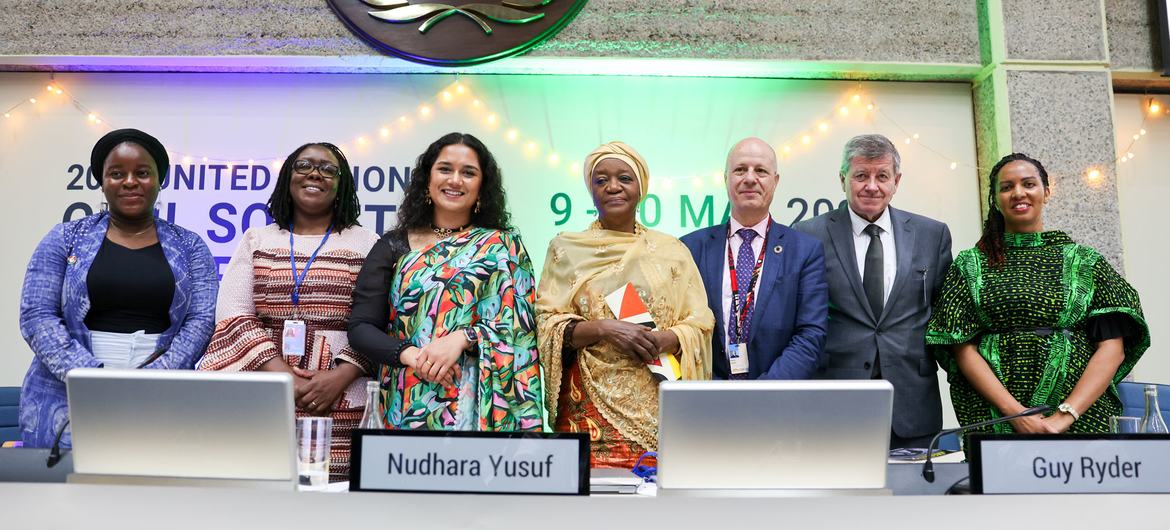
(314, 437)
(1124, 424)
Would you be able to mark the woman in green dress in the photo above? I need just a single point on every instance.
(444, 301)
(1029, 317)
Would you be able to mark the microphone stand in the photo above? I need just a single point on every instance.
(928, 466)
(55, 451)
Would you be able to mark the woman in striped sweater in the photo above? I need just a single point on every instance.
(285, 296)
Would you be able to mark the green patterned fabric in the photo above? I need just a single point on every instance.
(1047, 282)
(482, 279)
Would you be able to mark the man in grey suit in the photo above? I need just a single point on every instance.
(883, 266)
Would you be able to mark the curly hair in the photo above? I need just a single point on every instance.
(415, 212)
(991, 242)
(346, 207)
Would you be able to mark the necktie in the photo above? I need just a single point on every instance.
(874, 278)
(745, 263)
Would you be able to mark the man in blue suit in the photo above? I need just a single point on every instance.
(765, 282)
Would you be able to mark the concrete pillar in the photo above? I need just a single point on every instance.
(1046, 90)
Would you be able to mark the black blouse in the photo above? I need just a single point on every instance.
(1112, 326)
(370, 316)
(129, 289)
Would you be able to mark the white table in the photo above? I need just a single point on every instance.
(73, 506)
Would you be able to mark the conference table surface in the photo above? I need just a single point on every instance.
(50, 506)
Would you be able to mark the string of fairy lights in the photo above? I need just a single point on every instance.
(458, 95)
(1153, 109)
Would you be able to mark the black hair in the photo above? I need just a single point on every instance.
(346, 207)
(991, 242)
(492, 210)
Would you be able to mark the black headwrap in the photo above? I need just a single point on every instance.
(112, 139)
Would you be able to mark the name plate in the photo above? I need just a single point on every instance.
(1070, 463)
(469, 462)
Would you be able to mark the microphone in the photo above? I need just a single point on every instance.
(928, 466)
(55, 452)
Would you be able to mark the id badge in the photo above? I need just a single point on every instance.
(293, 338)
(738, 355)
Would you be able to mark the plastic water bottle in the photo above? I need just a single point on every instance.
(372, 417)
(1152, 421)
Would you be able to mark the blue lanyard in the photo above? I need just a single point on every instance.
(292, 260)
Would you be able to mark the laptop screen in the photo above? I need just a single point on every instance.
(773, 434)
(178, 423)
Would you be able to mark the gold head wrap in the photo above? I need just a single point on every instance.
(621, 152)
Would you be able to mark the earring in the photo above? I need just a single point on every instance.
(476, 206)
(428, 199)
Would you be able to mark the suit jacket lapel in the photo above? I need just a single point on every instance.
(841, 232)
(904, 249)
(773, 267)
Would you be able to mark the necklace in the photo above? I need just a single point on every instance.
(135, 234)
(448, 232)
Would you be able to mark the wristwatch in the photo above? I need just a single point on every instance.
(1068, 409)
(472, 338)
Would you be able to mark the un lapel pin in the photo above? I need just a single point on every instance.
(777, 249)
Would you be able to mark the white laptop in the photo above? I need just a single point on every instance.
(182, 427)
(774, 436)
